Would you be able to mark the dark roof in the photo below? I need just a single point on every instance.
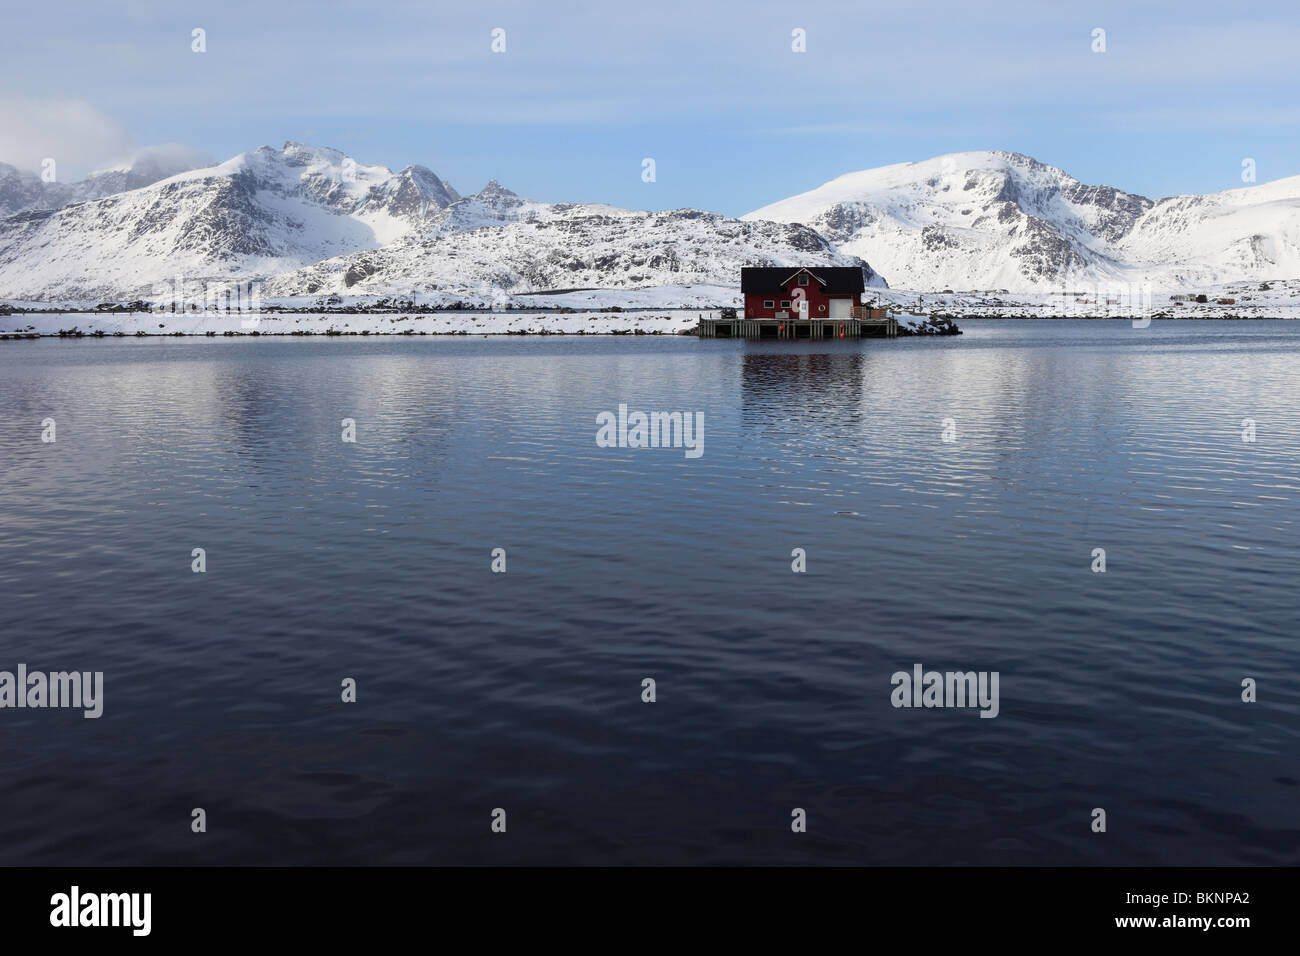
(838, 279)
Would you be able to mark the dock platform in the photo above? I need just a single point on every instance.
(878, 324)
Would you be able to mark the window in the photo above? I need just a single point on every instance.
(768, 303)
(785, 303)
(803, 279)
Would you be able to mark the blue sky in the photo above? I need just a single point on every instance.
(713, 92)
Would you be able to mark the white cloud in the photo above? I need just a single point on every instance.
(77, 136)
(170, 158)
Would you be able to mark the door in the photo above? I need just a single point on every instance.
(841, 308)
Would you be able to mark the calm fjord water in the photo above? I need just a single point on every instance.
(476, 690)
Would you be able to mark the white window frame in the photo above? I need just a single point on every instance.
(769, 303)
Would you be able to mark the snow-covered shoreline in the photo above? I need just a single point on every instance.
(1280, 300)
(350, 323)
(103, 324)
(21, 325)
(660, 310)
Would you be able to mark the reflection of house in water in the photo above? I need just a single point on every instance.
(781, 386)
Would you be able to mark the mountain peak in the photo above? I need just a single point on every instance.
(302, 154)
(494, 190)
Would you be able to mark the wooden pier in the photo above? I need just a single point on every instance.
(863, 323)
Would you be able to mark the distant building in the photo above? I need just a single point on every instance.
(776, 293)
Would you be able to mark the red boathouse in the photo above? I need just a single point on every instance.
(781, 293)
(800, 303)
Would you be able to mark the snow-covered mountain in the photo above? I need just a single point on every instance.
(495, 243)
(1250, 234)
(997, 220)
(259, 214)
(21, 191)
(309, 220)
